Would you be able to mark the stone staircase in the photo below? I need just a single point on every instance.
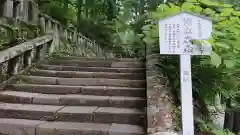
(76, 96)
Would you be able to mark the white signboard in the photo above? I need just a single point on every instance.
(176, 35)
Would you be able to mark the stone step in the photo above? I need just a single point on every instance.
(91, 69)
(73, 113)
(83, 90)
(99, 59)
(36, 127)
(72, 100)
(83, 81)
(96, 63)
(75, 74)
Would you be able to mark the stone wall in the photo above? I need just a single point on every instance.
(159, 99)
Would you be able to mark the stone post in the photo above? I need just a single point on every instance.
(17, 8)
(27, 60)
(35, 13)
(49, 25)
(75, 36)
(42, 24)
(8, 9)
(66, 34)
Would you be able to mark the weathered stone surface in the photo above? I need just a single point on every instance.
(46, 99)
(17, 97)
(76, 113)
(86, 100)
(72, 74)
(45, 73)
(39, 80)
(80, 63)
(71, 128)
(98, 59)
(71, 99)
(118, 115)
(159, 102)
(27, 111)
(113, 91)
(100, 82)
(46, 89)
(122, 129)
(127, 64)
(127, 102)
(91, 69)
(18, 126)
(8, 10)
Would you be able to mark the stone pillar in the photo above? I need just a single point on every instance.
(27, 60)
(75, 36)
(35, 13)
(42, 24)
(66, 34)
(49, 24)
(16, 9)
(22, 10)
(8, 9)
(55, 27)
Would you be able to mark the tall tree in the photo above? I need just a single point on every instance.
(65, 8)
(112, 9)
(79, 13)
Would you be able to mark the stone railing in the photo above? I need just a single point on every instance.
(49, 25)
(15, 59)
(18, 58)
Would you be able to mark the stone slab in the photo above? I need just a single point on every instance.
(46, 99)
(101, 82)
(127, 102)
(46, 89)
(80, 63)
(71, 128)
(39, 80)
(18, 126)
(45, 73)
(17, 97)
(118, 115)
(28, 111)
(76, 113)
(128, 64)
(113, 91)
(91, 69)
(86, 100)
(124, 129)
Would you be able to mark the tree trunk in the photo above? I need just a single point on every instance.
(228, 120)
(93, 10)
(86, 9)
(65, 8)
(111, 9)
(79, 12)
(141, 7)
(236, 123)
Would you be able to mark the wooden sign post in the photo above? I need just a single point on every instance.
(176, 35)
